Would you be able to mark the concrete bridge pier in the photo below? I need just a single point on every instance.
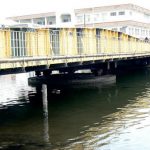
(97, 72)
(115, 64)
(113, 67)
(47, 73)
(38, 73)
(45, 113)
(110, 67)
(106, 67)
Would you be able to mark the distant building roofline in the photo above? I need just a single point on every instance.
(129, 6)
(32, 16)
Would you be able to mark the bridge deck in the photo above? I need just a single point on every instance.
(21, 48)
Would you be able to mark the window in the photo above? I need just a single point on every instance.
(79, 19)
(25, 21)
(54, 41)
(40, 21)
(137, 31)
(66, 18)
(146, 33)
(131, 31)
(98, 41)
(87, 18)
(80, 35)
(18, 43)
(123, 29)
(96, 17)
(113, 14)
(121, 13)
(146, 16)
(51, 20)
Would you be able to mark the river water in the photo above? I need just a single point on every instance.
(114, 116)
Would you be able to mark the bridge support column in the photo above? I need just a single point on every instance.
(97, 72)
(47, 72)
(108, 66)
(114, 67)
(37, 73)
(148, 61)
(45, 112)
(115, 64)
(71, 71)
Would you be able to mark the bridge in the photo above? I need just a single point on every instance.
(69, 49)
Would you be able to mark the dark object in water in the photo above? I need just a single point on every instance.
(76, 79)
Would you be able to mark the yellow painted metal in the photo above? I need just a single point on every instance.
(106, 41)
(109, 44)
(5, 44)
(2, 43)
(71, 47)
(43, 42)
(113, 40)
(62, 40)
(89, 41)
(103, 41)
(47, 43)
(67, 42)
(124, 43)
(74, 50)
(35, 43)
(29, 41)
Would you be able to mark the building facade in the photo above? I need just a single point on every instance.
(50, 19)
(127, 18)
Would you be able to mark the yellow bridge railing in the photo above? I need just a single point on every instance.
(32, 47)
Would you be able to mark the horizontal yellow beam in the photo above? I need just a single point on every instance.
(38, 61)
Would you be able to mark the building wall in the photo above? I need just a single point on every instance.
(111, 16)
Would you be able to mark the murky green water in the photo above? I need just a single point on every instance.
(108, 117)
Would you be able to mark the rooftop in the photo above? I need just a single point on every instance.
(114, 7)
(39, 15)
(6, 22)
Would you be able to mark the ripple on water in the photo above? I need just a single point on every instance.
(110, 118)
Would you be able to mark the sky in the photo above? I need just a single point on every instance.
(9, 8)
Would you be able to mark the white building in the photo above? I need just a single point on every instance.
(50, 19)
(128, 18)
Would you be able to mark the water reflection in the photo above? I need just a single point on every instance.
(14, 90)
(111, 116)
